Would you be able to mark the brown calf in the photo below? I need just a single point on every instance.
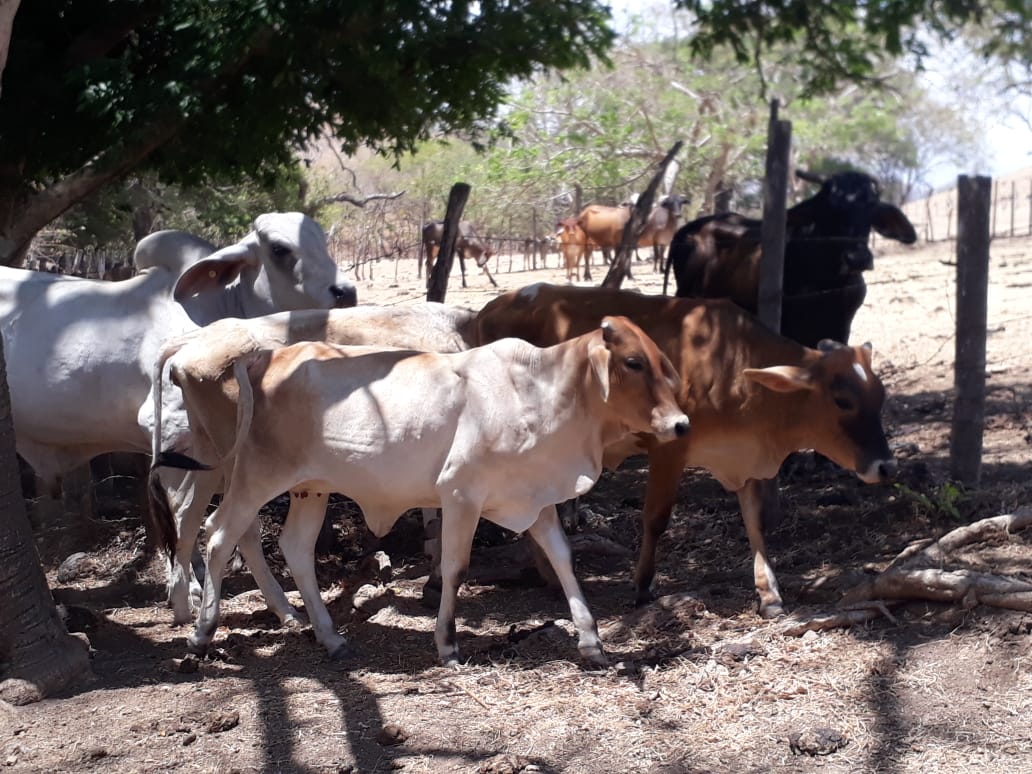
(753, 397)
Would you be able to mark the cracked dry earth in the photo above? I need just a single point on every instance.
(698, 682)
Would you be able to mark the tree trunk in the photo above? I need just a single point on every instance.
(37, 656)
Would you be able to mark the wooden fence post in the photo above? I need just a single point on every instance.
(1014, 203)
(621, 266)
(772, 232)
(974, 201)
(533, 237)
(438, 281)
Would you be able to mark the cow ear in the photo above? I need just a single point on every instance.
(215, 271)
(599, 358)
(889, 221)
(866, 350)
(780, 378)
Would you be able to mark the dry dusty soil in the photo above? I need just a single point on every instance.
(698, 682)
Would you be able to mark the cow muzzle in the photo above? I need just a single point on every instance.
(878, 472)
(344, 295)
(859, 259)
(667, 427)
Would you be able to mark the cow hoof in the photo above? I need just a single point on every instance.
(451, 661)
(594, 655)
(295, 620)
(771, 611)
(342, 652)
(197, 647)
(642, 598)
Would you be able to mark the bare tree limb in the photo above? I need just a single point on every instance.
(343, 197)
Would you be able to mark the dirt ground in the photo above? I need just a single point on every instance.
(698, 682)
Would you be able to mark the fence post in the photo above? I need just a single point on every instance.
(772, 232)
(533, 236)
(974, 200)
(1030, 207)
(438, 280)
(996, 203)
(1014, 202)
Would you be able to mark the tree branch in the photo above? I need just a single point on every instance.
(343, 197)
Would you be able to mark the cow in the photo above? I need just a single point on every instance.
(467, 241)
(753, 396)
(503, 431)
(604, 226)
(573, 246)
(429, 327)
(826, 253)
(79, 352)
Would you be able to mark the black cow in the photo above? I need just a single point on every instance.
(826, 253)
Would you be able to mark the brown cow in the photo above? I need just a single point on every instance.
(573, 246)
(604, 225)
(753, 397)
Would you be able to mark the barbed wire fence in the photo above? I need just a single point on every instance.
(935, 218)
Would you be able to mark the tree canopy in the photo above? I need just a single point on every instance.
(192, 89)
(845, 40)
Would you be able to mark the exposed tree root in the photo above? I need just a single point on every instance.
(918, 572)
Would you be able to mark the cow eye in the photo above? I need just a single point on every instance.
(844, 403)
(634, 364)
(280, 251)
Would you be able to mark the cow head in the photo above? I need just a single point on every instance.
(636, 380)
(837, 223)
(674, 203)
(843, 402)
(282, 265)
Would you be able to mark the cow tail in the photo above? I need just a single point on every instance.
(162, 523)
(156, 386)
(245, 406)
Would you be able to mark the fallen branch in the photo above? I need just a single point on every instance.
(918, 572)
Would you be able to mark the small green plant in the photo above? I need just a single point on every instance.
(943, 500)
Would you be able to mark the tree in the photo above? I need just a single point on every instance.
(37, 655)
(848, 41)
(193, 89)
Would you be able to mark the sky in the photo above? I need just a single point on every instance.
(1008, 141)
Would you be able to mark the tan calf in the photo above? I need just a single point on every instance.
(503, 431)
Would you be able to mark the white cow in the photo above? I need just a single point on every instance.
(504, 431)
(429, 327)
(79, 352)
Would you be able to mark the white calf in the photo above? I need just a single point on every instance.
(504, 431)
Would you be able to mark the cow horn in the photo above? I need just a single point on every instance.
(810, 177)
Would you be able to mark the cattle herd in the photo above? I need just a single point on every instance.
(250, 371)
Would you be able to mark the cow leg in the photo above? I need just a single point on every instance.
(458, 524)
(226, 527)
(432, 549)
(297, 541)
(548, 534)
(462, 265)
(666, 463)
(750, 498)
(188, 495)
(251, 548)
